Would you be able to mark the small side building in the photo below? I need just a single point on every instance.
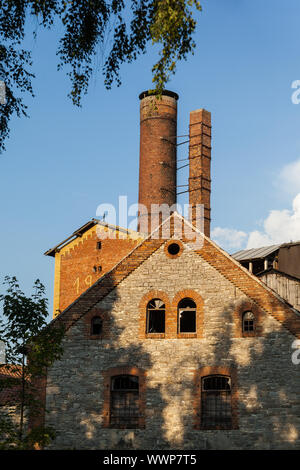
(278, 266)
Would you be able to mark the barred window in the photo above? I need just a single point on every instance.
(248, 322)
(96, 326)
(124, 407)
(216, 412)
(186, 316)
(156, 316)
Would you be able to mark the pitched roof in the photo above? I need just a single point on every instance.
(261, 252)
(255, 253)
(84, 228)
(240, 277)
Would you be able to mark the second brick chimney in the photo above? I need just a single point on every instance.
(199, 165)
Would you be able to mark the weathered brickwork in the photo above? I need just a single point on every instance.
(265, 382)
(157, 171)
(199, 164)
(83, 263)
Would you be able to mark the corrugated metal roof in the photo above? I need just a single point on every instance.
(255, 253)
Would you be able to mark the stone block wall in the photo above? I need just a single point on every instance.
(267, 383)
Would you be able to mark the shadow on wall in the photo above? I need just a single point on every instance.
(267, 396)
(268, 410)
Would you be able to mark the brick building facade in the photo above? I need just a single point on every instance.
(174, 346)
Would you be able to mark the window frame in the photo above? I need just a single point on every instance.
(106, 324)
(219, 395)
(96, 317)
(198, 300)
(149, 310)
(146, 298)
(121, 395)
(206, 371)
(179, 310)
(252, 331)
(106, 409)
(242, 307)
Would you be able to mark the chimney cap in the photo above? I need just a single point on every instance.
(172, 94)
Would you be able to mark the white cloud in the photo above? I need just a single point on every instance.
(279, 227)
(229, 238)
(289, 178)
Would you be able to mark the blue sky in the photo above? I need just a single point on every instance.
(63, 162)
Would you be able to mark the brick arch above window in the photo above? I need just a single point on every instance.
(206, 371)
(153, 294)
(123, 370)
(88, 317)
(243, 307)
(190, 294)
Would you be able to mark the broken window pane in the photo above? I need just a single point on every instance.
(186, 316)
(156, 316)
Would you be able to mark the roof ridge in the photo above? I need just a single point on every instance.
(119, 277)
(104, 285)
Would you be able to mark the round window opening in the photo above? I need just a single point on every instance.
(173, 249)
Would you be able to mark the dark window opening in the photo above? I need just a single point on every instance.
(156, 316)
(96, 326)
(186, 316)
(248, 322)
(99, 245)
(173, 249)
(216, 410)
(124, 405)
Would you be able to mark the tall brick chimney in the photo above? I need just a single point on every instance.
(158, 130)
(199, 165)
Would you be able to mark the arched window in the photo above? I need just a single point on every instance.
(248, 322)
(216, 410)
(124, 405)
(156, 316)
(187, 316)
(96, 326)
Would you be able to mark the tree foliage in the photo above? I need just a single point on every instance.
(31, 346)
(122, 29)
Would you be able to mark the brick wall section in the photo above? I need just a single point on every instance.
(157, 172)
(77, 265)
(199, 164)
(108, 282)
(267, 380)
